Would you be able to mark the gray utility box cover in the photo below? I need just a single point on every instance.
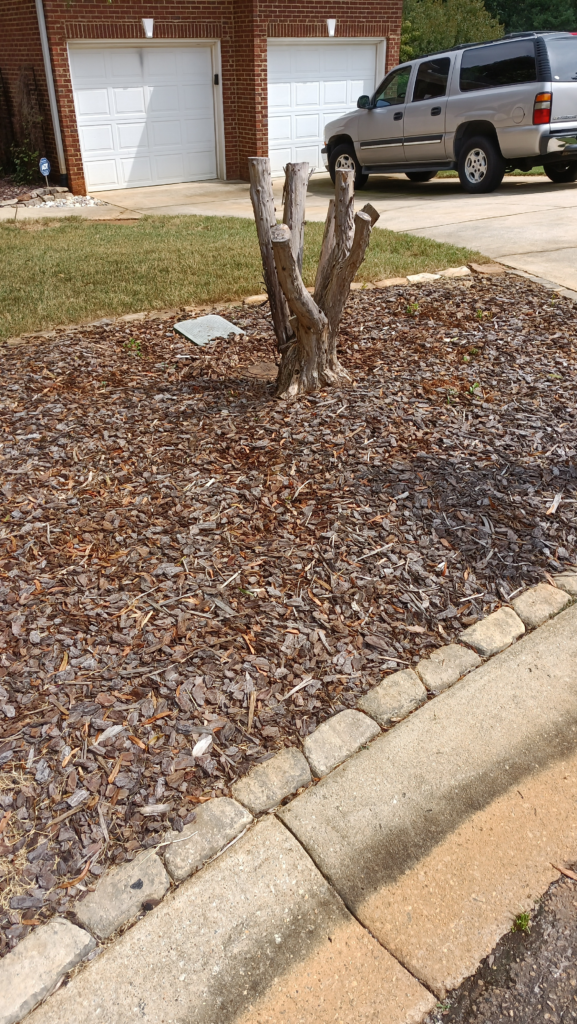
(206, 328)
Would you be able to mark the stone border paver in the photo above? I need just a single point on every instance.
(127, 892)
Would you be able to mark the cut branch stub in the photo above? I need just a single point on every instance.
(295, 197)
(262, 198)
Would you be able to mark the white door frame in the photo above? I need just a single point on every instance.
(213, 44)
(379, 41)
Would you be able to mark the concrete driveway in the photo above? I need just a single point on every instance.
(528, 223)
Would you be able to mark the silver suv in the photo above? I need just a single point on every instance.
(480, 109)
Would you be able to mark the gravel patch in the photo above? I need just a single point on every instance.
(194, 575)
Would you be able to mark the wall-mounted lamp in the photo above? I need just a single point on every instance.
(148, 26)
(331, 25)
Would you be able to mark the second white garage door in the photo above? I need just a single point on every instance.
(145, 114)
(309, 84)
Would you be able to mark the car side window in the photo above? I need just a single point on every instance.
(490, 67)
(432, 78)
(394, 88)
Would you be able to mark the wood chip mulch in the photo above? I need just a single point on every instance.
(186, 563)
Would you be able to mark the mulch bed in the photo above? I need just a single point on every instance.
(10, 190)
(186, 563)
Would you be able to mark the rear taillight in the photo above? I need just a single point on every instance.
(542, 108)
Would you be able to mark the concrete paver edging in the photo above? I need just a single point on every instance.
(345, 861)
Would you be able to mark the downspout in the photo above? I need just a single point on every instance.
(51, 92)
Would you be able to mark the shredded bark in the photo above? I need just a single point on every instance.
(174, 540)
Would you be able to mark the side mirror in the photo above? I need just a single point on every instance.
(364, 102)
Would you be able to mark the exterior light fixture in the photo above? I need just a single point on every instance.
(331, 25)
(148, 26)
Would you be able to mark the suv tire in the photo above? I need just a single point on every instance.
(562, 172)
(421, 175)
(344, 158)
(481, 166)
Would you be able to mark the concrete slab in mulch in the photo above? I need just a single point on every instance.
(257, 936)
(205, 329)
(383, 813)
(540, 603)
(269, 783)
(217, 823)
(122, 893)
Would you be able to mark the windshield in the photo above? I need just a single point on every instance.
(562, 52)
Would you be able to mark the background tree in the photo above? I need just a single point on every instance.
(525, 15)
(432, 25)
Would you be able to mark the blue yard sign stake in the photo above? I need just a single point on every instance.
(44, 166)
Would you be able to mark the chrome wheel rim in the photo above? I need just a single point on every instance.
(345, 162)
(476, 166)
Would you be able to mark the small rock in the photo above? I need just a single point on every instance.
(337, 739)
(390, 282)
(255, 300)
(445, 666)
(456, 272)
(567, 581)
(540, 603)
(421, 278)
(267, 784)
(495, 633)
(121, 894)
(34, 637)
(40, 959)
(217, 823)
(394, 698)
(494, 269)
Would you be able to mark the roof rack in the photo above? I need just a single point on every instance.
(487, 42)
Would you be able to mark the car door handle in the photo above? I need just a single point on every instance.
(398, 116)
(435, 111)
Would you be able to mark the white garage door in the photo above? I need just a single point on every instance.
(309, 85)
(145, 114)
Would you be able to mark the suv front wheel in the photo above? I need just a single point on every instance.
(344, 158)
(481, 166)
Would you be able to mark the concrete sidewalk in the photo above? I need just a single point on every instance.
(529, 223)
(374, 892)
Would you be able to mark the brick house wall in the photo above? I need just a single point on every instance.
(242, 26)
(20, 47)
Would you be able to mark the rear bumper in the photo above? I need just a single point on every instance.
(558, 141)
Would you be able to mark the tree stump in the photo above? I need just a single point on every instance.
(307, 326)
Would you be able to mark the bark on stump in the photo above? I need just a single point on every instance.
(306, 326)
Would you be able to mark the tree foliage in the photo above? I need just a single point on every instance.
(432, 25)
(525, 15)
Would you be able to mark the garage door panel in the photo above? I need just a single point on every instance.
(163, 99)
(280, 129)
(166, 133)
(279, 96)
(335, 92)
(132, 135)
(93, 102)
(124, 64)
(128, 101)
(307, 94)
(91, 64)
(97, 171)
(307, 126)
(310, 85)
(196, 100)
(199, 134)
(145, 114)
(97, 139)
(136, 169)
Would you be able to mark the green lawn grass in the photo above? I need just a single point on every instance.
(509, 174)
(70, 270)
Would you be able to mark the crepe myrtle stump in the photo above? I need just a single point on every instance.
(307, 326)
